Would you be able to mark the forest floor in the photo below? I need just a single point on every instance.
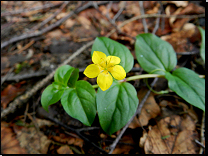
(38, 36)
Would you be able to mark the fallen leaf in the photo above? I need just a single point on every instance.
(149, 110)
(9, 143)
(124, 149)
(192, 9)
(132, 8)
(9, 93)
(69, 23)
(33, 139)
(172, 135)
(179, 40)
(65, 150)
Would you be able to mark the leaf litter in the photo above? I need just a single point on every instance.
(164, 131)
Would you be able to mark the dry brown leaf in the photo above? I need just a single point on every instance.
(61, 15)
(149, 110)
(174, 135)
(9, 143)
(84, 21)
(9, 93)
(124, 149)
(65, 150)
(132, 8)
(154, 10)
(33, 139)
(179, 40)
(192, 9)
(69, 23)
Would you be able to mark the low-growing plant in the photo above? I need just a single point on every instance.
(116, 100)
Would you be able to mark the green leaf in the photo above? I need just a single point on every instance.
(63, 74)
(202, 48)
(113, 48)
(73, 78)
(153, 53)
(188, 85)
(116, 106)
(79, 102)
(50, 96)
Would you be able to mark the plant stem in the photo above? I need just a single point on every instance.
(144, 76)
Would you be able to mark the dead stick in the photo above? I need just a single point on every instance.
(51, 17)
(31, 9)
(155, 15)
(143, 13)
(202, 134)
(113, 145)
(44, 30)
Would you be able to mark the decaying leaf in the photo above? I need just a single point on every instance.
(172, 135)
(9, 142)
(149, 110)
(9, 93)
(124, 149)
(179, 39)
(65, 150)
(32, 138)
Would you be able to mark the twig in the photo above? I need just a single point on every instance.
(7, 75)
(202, 134)
(142, 13)
(25, 97)
(163, 19)
(24, 48)
(31, 9)
(113, 145)
(50, 18)
(157, 23)
(78, 133)
(52, 26)
(108, 8)
(201, 145)
(112, 22)
(188, 52)
(87, 129)
(119, 12)
(154, 15)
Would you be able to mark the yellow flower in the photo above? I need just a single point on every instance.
(103, 68)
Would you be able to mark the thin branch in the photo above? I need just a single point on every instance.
(163, 19)
(154, 15)
(31, 9)
(50, 18)
(52, 26)
(119, 12)
(142, 13)
(108, 8)
(202, 134)
(111, 21)
(113, 145)
(188, 52)
(157, 23)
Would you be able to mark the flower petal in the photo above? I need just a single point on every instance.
(99, 58)
(118, 72)
(104, 80)
(92, 71)
(112, 61)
